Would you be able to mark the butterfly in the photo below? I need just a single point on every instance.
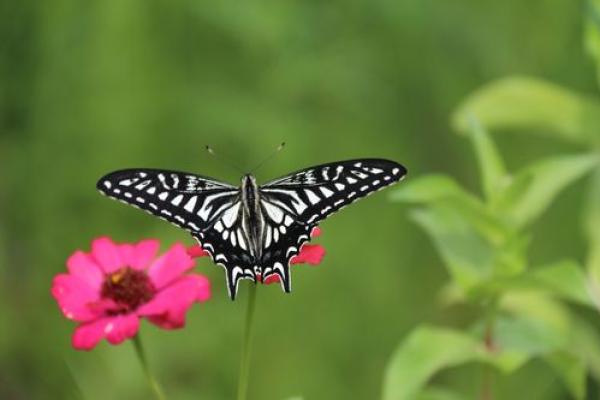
(251, 230)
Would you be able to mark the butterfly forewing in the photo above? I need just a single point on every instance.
(186, 200)
(312, 194)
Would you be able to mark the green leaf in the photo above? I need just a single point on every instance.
(535, 324)
(571, 370)
(591, 225)
(434, 189)
(535, 187)
(493, 172)
(430, 188)
(440, 394)
(426, 351)
(592, 32)
(585, 344)
(566, 279)
(467, 255)
(533, 104)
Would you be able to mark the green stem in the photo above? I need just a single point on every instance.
(246, 346)
(141, 354)
(490, 346)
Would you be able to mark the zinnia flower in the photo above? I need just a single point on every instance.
(108, 290)
(309, 254)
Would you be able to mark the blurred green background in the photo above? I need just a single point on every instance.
(89, 87)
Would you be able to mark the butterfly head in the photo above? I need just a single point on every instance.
(249, 188)
(248, 180)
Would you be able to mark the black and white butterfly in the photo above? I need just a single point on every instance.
(251, 230)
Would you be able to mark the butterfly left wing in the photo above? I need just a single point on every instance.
(189, 201)
(208, 209)
(296, 203)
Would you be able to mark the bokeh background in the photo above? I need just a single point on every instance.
(89, 87)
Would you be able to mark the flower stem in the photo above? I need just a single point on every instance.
(246, 346)
(141, 354)
(490, 346)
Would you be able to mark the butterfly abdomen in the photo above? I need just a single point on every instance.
(252, 218)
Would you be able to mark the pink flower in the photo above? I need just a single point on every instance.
(309, 254)
(108, 290)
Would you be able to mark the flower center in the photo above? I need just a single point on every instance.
(129, 288)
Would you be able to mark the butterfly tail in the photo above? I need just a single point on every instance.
(233, 277)
(283, 272)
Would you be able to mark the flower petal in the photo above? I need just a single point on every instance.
(196, 251)
(107, 254)
(73, 296)
(315, 232)
(87, 336)
(168, 307)
(168, 267)
(274, 278)
(115, 329)
(85, 268)
(138, 256)
(309, 253)
(121, 328)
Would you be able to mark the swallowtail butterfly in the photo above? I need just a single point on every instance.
(251, 230)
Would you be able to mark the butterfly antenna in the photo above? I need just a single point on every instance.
(224, 160)
(269, 157)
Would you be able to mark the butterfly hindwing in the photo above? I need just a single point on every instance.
(228, 243)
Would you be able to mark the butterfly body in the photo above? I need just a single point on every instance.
(251, 230)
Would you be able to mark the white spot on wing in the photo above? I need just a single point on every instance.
(326, 192)
(288, 220)
(189, 206)
(268, 238)
(273, 212)
(241, 240)
(163, 196)
(230, 216)
(142, 185)
(177, 200)
(313, 198)
(204, 212)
